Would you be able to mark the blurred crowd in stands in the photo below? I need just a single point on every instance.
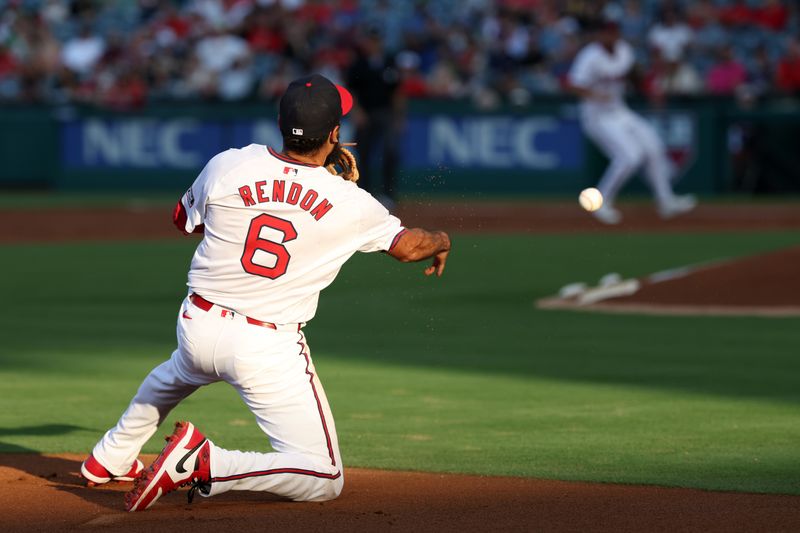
(123, 53)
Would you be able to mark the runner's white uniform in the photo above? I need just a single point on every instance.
(277, 231)
(625, 137)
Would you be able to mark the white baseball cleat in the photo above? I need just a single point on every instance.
(607, 215)
(677, 205)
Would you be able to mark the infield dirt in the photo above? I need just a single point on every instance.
(45, 493)
(761, 285)
(154, 222)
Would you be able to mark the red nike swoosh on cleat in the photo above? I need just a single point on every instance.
(184, 315)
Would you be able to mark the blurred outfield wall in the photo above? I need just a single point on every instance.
(447, 147)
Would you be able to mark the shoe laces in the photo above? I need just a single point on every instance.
(198, 484)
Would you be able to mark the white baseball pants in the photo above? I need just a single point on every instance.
(273, 373)
(629, 141)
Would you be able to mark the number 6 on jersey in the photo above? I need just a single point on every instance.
(255, 243)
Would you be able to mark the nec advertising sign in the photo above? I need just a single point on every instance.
(139, 143)
(494, 142)
(466, 142)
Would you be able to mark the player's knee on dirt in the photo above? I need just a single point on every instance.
(335, 488)
(328, 489)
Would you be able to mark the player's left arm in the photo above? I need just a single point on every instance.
(180, 216)
(189, 213)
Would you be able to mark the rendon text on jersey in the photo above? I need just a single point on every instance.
(279, 195)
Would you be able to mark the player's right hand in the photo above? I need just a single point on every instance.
(439, 261)
(417, 244)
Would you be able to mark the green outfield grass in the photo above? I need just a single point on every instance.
(461, 374)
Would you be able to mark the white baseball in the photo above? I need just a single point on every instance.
(590, 199)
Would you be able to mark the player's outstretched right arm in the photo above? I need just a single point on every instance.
(417, 244)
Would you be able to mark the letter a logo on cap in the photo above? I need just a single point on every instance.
(297, 131)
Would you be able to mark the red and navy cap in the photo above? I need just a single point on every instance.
(312, 106)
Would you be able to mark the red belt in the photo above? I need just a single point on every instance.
(205, 305)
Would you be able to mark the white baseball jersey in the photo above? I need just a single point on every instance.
(602, 72)
(277, 232)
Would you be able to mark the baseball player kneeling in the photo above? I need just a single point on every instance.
(277, 226)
